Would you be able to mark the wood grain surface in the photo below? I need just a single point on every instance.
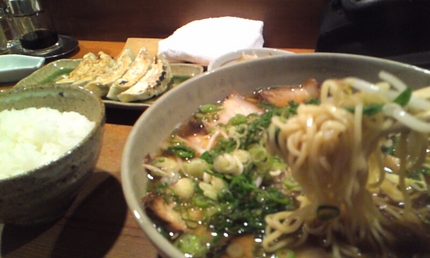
(99, 223)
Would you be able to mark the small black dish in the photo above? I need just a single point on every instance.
(65, 45)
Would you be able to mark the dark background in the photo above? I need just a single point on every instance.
(287, 23)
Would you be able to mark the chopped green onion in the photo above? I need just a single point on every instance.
(277, 132)
(404, 97)
(369, 110)
(209, 108)
(195, 167)
(191, 244)
(425, 216)
(238, 119)
(290, 183)
(182, 151)
(327, 212)
(206, 156)
(285, 253)
(416, 175)
(276, 196)
(261, 157)
(201, 201)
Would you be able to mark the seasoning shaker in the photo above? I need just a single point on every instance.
(33, 25)
(7, 34)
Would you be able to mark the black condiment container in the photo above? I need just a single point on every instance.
(33, 25)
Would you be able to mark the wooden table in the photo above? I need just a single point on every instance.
(99, 223)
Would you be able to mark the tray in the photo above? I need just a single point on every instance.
(55, 70)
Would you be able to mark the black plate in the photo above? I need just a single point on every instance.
(64, 46)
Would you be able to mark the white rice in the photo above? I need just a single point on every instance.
(32, 137)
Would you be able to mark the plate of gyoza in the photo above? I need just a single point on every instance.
(131, 80)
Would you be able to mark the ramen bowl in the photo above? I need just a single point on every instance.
(246, 54)
(178, 105)
(44, 193)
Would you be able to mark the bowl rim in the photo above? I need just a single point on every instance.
(132, 201)
(221, 60)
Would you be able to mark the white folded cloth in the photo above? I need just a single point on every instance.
(203, 40)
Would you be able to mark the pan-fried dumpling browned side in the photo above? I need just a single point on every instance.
(136, 71)
(83, 67)
(100, 85)
(155, 83)
(103, 63)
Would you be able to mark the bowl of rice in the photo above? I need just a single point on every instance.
(50, 142)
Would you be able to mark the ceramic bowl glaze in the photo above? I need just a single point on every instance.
(44, 194)
(179, 104)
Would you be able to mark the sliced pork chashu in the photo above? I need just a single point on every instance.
(300, 93)
(165, 212)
